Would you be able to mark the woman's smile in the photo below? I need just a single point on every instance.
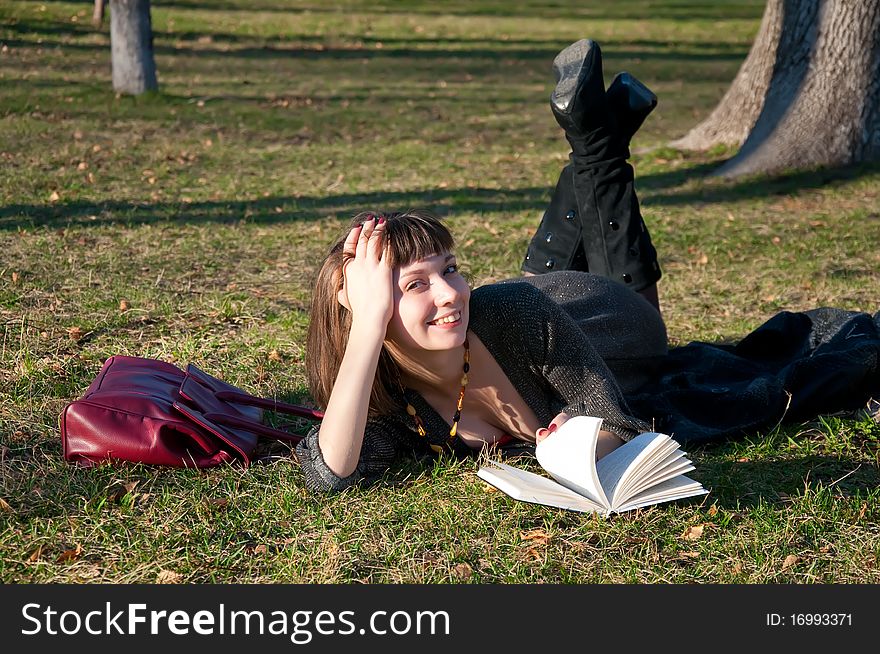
(448, 321)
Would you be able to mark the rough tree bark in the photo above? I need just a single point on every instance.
(131, 46)
(807, 95)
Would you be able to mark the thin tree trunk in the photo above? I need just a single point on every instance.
(131, 45)
(98, 13)
(807, 95)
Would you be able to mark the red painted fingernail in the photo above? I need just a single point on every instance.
(381, 219)
(552, 427)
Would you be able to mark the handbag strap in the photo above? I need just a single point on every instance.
(225, 405)
(271, 405)
(229, 393)
(254, 427)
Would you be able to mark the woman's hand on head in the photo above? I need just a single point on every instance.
(556, 423)
(367, 280)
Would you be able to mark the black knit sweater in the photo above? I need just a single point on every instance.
(568, 341)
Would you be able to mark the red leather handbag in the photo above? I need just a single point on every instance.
(149, 411)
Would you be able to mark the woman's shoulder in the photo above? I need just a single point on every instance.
(559, 287)
(503, 292)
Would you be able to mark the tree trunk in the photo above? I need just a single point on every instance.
(98, 13)
(131, 46)
(807, 95)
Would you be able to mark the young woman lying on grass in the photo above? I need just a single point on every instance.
(404, 356)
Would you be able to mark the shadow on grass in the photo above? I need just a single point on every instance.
(747, 484)
(732, 485)
(718, 190)
(689, 10)
(193, 44)
(271, 210)
(278, 209)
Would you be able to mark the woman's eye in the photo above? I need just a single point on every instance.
(414, 285)
(451, 268)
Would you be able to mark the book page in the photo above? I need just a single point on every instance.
(675, 465)
(634, 459)
(569, 455)
(672, 489)
(529, 487)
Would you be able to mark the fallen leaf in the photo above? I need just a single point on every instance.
(82, 165)
(690, 555)
(260, 549)
(489, 488)
(534, 554)
(217, 502)
(54, 197)
(693, 533)
(70, 555)
(713, 510)
(703, 260)
(737, 568)
(77, 135)
(15, 277)
(537, 536)
(36, 554)
(789, 561)
(75, 333)
(4, 506)
(118, 492)
(274, 356)
(462, 571)
(168, 577)
(123, 305)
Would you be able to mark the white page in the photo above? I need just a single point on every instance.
(628, 460)
(672, 489)
(670, 468)
(569, 455)
(529, 487)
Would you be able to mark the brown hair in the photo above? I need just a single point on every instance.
(410, 236)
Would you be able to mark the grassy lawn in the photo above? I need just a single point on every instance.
(187, 226)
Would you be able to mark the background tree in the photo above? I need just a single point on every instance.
(131, 46)
(807, 95)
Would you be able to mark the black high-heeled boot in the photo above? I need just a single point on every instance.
(593, 222)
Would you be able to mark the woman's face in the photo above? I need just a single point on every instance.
(430, 305)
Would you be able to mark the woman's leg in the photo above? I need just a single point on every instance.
(593, 222)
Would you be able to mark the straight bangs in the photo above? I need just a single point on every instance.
(412, 235)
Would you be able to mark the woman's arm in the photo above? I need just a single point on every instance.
(366, 276)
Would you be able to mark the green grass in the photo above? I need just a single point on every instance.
(205, 209)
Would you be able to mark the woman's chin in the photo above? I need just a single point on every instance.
(444, 337)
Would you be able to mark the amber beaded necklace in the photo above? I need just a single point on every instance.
(420, 426)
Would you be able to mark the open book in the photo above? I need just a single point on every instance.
(646, 470)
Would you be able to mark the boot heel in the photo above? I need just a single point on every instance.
(631, 102)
